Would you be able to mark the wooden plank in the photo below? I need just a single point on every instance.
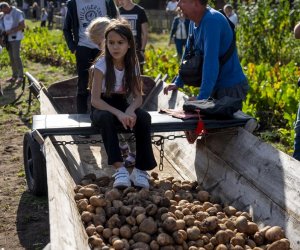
(66, 229)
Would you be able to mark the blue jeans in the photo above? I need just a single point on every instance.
(296, 154)
(180, 44)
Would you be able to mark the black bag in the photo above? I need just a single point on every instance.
(222, 108)
(190, 69)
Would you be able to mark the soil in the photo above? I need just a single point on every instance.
(24, 218)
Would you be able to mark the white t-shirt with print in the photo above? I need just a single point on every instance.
(8, 23)
(118, 86)
(88, 10)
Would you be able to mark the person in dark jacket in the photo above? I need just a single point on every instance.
(179, 32)
(85, 50)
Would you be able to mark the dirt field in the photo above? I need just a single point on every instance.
(24, 220)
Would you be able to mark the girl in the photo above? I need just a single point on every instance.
(116, 77)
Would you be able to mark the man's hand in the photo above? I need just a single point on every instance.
(170, 87)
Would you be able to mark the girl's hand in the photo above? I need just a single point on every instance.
(132, 121)
(126, 120)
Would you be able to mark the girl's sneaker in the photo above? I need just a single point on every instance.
(130, 160)
(122, 179)
(140, 178)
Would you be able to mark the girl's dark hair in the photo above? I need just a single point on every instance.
(132, 78)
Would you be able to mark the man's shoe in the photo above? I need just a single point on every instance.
(140, 178)
(122, 179)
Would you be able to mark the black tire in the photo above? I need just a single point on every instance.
(35, 166)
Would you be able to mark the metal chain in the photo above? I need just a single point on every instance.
(130, 139)
(158, 140)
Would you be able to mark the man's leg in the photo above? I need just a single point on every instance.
(17, 62)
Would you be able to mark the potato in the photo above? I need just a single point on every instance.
(82, 204)
(87, 192)
(222, 237)
(193, 233)
(169, 224)
(118, 244)
(210, 223)
(164, 239)
(237, 240)
(154, 245)
(221, 247)
(140, 218)
(95, 241)
(282, 244)
(241, 224)
(141, 237)
(274, 233)
(189, 220)
(230, 210)
(203, 196)
(125, 232)
(148, 226)
(86, 216)
(90, 230)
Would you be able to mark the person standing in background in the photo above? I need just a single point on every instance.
(35, 10)
(137, 18)
(63, 13)
(50, 14)
(229, 12)
(13, 23)
(80, 13)
(44, 17)
(25, 8)
(179, 32)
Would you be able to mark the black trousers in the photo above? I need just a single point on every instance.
(84, 59)
(109, 124)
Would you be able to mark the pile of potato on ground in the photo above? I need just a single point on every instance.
(173, 214)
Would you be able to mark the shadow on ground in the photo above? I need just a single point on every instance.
(33, 222)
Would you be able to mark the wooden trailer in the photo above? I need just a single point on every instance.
(228, 161)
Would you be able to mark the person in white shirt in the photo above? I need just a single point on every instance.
(229, 12)
(13, 23)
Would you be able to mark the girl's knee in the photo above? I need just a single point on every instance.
(101, 118)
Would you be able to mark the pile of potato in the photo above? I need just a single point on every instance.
(173, 214)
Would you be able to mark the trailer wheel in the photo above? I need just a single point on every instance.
(35, 166)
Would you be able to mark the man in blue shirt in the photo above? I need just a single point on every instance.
(212, 37)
